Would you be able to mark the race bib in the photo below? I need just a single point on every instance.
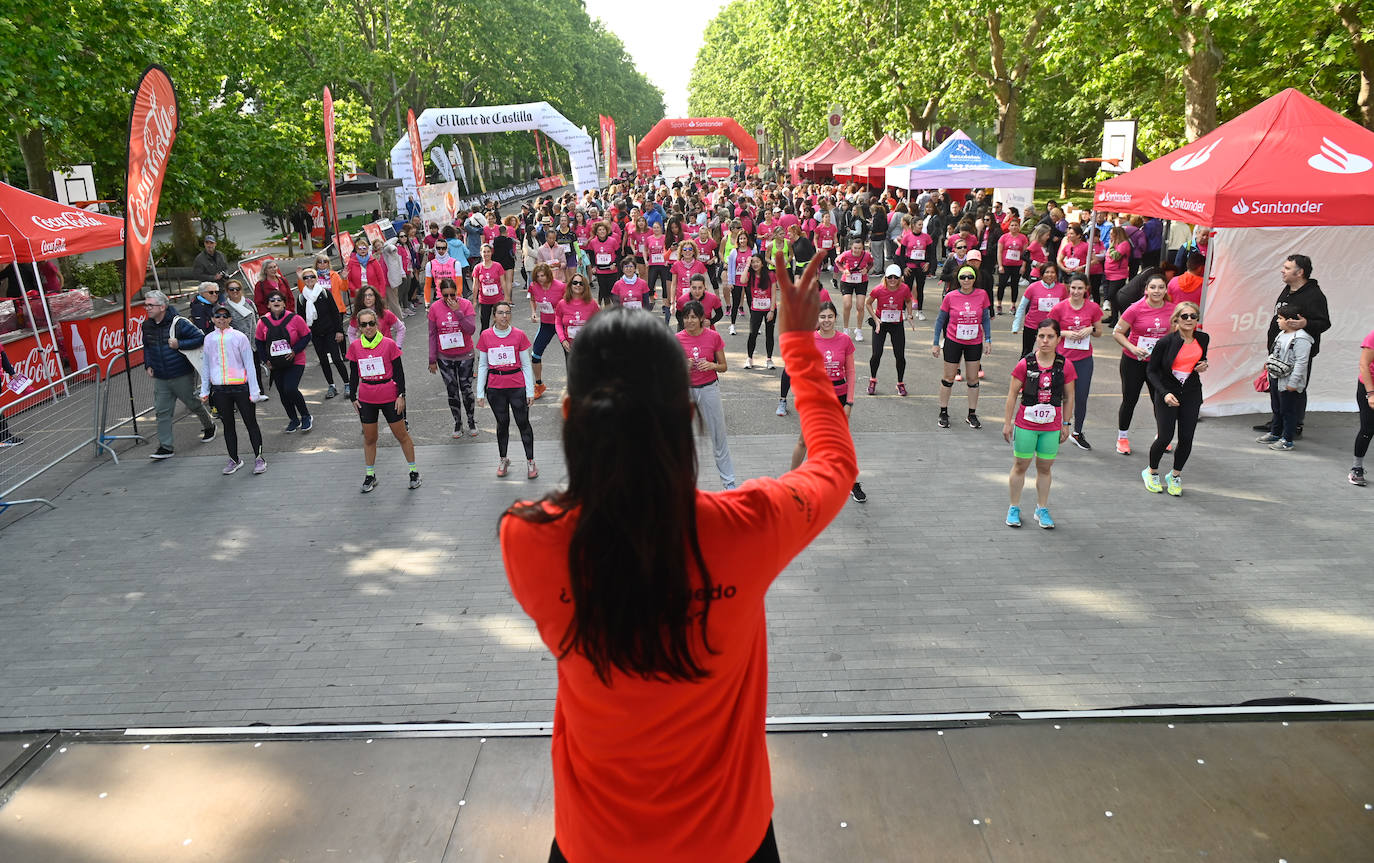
(1082, 344)
(574, 330)
(1046, 303)
(501, 355)
(854, 278)
(280, 348)
(890, 316)
(1013, 255)
(372, 367)
(827, 243)
(451, 341)
(965, 332)
(1072, 263)
(18, 383)
(918, 255)
(1146, 344)
(566, 247)
(603, 259)
(1042, 414)
(490, 290)
(656, 258)
(762, 304)
(545, 307)
(632, 304)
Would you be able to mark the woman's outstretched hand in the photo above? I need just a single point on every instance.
(799, 303)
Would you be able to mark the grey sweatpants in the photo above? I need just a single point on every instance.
(166, 394)
(712, 413)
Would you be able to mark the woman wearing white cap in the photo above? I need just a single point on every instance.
(889, 304)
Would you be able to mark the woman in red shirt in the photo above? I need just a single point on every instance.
(658, 742)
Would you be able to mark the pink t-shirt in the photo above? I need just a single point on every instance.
(1038, 256)
(296, 329)
(914, 246)
(1041, 298)
(546, 299)
(965, 316)
(1027, 416)
(631, 294)
(761, 293)
(374, 364)
(1074, 256)
(571, 316)
(825, 237)
(702, 346)
(1099, 253)
(1012, 248)
(503, 357)
(889, 303)
(654, 250)
(1368, 344)
(448, 339)
(1148, 325)
(835, 352)
(488, 279)
(709, 303)
(1114, 271)
(602, 253)
(683, 271)
(1070, 318)
(856, 267)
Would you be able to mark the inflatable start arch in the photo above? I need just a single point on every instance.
(644, 152)
(433, 122)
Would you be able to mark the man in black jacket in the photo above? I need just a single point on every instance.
(165, 336)
(1302, 292)
(211, 266)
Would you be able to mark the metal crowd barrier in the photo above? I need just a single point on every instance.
(115, 410)
(53, 423)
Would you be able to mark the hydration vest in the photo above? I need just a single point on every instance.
(1030, 390)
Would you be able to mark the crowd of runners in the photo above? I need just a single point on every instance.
(704, 255)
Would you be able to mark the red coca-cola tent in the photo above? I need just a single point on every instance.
(1288, 161)
(823, 166)
(873, 172)
(884, 145)
(41, 228)
(1289, 176)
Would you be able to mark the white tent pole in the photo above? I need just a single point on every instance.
(1206, 276)
(43, 301)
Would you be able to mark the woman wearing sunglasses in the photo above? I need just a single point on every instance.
(243, 316)
(505, 377)
(377, 385)
(230, 383)
(965, 321)
(1174, 368)
(1142, 325)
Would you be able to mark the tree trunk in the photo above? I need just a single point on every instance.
(1008, 119)
(1364, 54)
(34, 148)
(1200, 73)
(877, 130)
(184, 239)
(1064, 180)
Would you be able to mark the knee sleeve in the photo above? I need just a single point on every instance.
(945, 383)
(972, 386)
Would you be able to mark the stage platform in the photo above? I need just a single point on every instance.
(1282, 784)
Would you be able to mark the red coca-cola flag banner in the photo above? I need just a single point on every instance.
(345, 241)
(252, 269)
(153, 125)
(329, 160)
(417, 153)
(612, 167)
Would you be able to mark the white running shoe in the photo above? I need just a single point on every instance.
(920, 315)
(858, 335)
(732, 329)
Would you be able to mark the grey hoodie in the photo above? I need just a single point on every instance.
(1295, 348)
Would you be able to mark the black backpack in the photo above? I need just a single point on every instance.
(274, 333)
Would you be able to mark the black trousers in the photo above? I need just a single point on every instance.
(1184, 418)
(288, 383)
(329, 350)
(228, 399)
(660, 273)
(767, 851)
(487, 309)
(1133, 377)
(604, 283)
(736, 294)
(1010, 277)
(880, 334)
(505, 401)
(755, 319)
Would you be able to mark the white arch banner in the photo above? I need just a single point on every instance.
(433, 122)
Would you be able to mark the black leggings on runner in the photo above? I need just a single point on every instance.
(659, 273)
(1133, 377)
(736, 294)
(1185, 418)
(755, 319)
(328, 349)
(1366, 420)
(487, 309)
(1009, 278)
(226, 400)
(880, 335)
(457, 376)
(915, 278)
(288, 384)
(604, 283)
(505, 401)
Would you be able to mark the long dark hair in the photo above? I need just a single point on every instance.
(628, 560)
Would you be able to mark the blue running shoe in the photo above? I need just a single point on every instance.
(1013, 516)
(1042, 515)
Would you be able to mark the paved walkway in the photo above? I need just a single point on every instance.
(160, 593)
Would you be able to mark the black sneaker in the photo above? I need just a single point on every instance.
(1079, 441)
(858, 493)
(415, 479)
(331, 392)
(1357, 476)
(973, 421)
(293, 427)
(307, 423)
(161, 453)
(943, 421)
(369, 483)
(207, 435)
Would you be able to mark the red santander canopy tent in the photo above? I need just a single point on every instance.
(1288, 162)
(40, 228)
(884, 145)
(872, 172)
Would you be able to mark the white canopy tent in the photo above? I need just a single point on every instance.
(958, 163)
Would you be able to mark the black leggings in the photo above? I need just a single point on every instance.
(1185, 418)
(1010, 277)
(329, 350)
(288, 384)
(915, 278)
(880, 335)
(1110, 288)
(736, 294)
(487, 309)
(457, 376)
(1133, 377)
(659, 273)
(504, 401)
(1366, 421)
(604, 283)
(226, 400)
(756, 318)
(767, 851)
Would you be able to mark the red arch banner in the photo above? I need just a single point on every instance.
(748, 147)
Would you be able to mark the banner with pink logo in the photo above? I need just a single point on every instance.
(153, 125)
